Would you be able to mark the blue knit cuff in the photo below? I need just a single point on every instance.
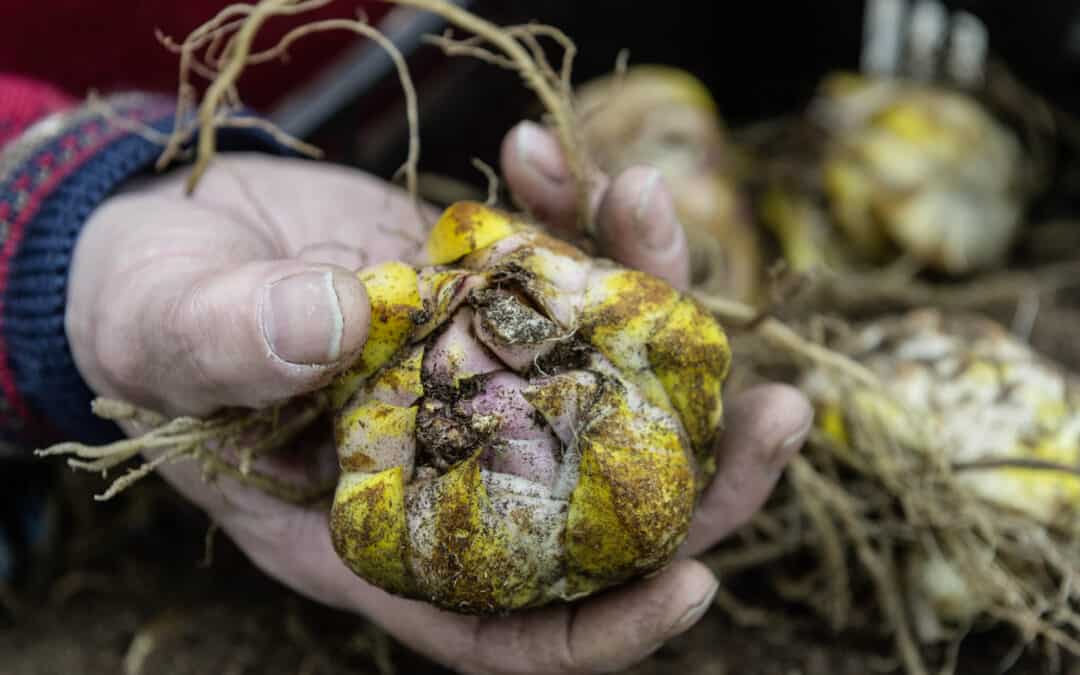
(39, 357)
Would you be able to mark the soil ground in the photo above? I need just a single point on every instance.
(129, 594)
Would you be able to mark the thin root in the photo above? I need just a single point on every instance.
(252, 433)
(226, 58)
(783, 337)
(149, 638)
(492, 180)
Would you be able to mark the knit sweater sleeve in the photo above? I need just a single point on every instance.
(60, 159)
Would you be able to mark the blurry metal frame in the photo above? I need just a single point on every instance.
(357, 71)
(924, 41)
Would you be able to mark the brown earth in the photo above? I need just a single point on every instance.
(128, 585)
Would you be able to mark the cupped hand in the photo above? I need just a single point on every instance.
(243, 295)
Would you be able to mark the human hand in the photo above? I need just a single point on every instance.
(188, 319)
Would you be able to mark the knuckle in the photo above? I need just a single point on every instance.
(123, 365)
(117, 349)
(185, 322)
(567, 661)
(540, 642)
(119, 319)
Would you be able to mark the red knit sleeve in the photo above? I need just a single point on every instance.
(51, 150)
(58, 164)
(23, 102)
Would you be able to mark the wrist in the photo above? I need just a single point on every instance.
(54, 178)
(51, 177)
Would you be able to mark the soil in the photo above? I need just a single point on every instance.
(125, 591)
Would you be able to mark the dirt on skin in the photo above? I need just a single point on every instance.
(126, 592)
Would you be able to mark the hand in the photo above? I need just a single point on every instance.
(243, 295)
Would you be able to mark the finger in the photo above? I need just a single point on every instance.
(637, 224)
(343, 213)
(638, 227)
(537, 174)
(335, 253)
(615, 631)
(248, 335)
(603, 634)
(293, 545)
(766, 426)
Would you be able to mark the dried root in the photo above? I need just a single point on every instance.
(782, 337)
(221, 49)
(492, 180)
(861, 511)
(249, 434)
(150, 637)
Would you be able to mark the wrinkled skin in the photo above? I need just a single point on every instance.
(175, 324)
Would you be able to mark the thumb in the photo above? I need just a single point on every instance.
(248, 336)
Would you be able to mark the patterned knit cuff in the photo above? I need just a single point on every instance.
(24, 101)
(51, 179)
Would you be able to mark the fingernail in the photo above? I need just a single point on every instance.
(791, 442)
(539, 150)
(302, 319)
(654, 216)
(692, 615)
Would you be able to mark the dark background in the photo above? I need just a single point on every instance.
(760, 59)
